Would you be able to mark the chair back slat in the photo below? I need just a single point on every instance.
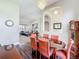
(44, 47)
(55, 38)
(69, 48)
(33, 41)
(46, 36)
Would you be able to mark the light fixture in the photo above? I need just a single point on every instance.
(56, 12)
(41, 4)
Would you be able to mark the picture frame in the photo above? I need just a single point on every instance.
(35, 26)
(57, 25)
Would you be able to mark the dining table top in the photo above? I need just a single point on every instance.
(52, 44)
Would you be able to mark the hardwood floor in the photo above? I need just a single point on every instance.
(25, 51)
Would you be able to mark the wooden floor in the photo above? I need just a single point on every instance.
(25, 51)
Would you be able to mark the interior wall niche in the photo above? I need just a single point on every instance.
(47, 22)
(46, 26)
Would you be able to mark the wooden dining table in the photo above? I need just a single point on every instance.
(58, 46)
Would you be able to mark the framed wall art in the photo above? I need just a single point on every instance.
(57, 25)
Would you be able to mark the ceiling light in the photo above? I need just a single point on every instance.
(42, 4)
(56, 12)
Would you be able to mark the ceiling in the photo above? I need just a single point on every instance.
(29, 10)
(11, 1)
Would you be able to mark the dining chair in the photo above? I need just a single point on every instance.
(34, 46)
(65, 54)
(45, 51)
(46, 36)
(9, 52)
(55, 38)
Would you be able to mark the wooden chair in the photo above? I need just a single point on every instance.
(34, 46)
(65, 54)
(45, 50)
(46, 36)
(9, 52)
(55, 38)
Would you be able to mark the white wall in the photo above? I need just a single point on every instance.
(9, 9)
(71, 12)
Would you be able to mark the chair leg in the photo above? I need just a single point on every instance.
(43, 57)
(34, 55)
(54, 54)
(38, 55)
(51, 57)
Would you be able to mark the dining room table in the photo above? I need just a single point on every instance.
(60, 45)
(56, 47)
